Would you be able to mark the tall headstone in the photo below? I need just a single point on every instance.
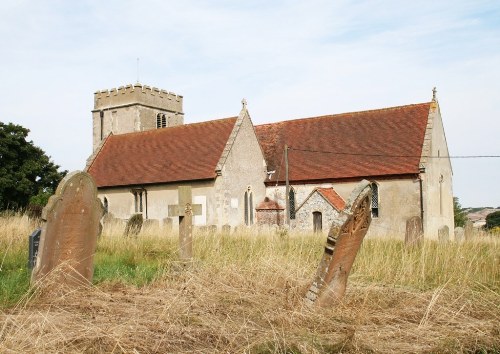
(341, 248)
(185, 211)
(69, 232)
(444, 234)
(468, 230)
(459, 234)
(413, 235)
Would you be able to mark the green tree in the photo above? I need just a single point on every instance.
(492, 220)
(25, 170)
(458, 213)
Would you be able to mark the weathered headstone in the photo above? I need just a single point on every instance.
(341, 249)
(185, 211)
(468, 230)
(33, 245)
(413, 235)
(444, 234)
(69, 233)
(134, 225)
(226, 229)
(459, 234)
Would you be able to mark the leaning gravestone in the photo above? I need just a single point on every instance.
(444, 234)
(69, 233)
(33, 245)
(459, 234)
(468, 230)
(413, 235)
(341, 248)
(134, 225)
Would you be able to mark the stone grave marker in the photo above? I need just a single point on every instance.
(185, 211)
(444, 234)
(459, 234)
(342, 246)
(69, 232)
(134, 225)
(413, 235)
(33, 245)
(468, 231)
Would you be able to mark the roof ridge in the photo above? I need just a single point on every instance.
(345, 113)
(158, 130)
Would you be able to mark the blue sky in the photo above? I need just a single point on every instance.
(289, 59)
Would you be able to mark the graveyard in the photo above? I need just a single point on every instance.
(243, 292)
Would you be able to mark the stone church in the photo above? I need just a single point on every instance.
(143, 151)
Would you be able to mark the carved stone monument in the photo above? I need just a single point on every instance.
(444, 234)
(341, 248)
(70, 230)
(413, 235)
(185, 211)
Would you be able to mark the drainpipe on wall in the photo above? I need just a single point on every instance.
(420, 180)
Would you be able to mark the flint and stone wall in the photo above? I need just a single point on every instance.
(316, 203)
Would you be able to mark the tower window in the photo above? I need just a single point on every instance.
(375, 204)
(161, 120)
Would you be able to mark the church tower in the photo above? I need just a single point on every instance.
(134, 108)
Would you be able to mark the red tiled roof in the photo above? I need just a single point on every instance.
(361, 144)
(269, 204)
(181, 153)
(332, 197)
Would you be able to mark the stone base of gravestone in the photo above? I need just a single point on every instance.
(468, 230)
(459, 234)
(444, 234)
(413, 235)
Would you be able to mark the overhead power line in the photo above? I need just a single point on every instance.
(387, 155)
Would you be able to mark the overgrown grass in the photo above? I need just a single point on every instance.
(243, 293)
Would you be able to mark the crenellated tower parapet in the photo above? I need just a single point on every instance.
(133, 108)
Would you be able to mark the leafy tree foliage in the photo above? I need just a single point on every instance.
(493, 220)
(25, 170)
(459, 215)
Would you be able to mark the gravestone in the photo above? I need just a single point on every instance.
(468, 231)
(459, 234)
(185, 211)
(226, 229)
(444, 234)
(413, 235)
(33, 245)
(69, 232)
(342, 246)
(134, 225)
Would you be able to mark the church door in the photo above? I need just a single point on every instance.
(317, 221)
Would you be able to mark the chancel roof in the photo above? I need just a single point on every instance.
(383, 142)
(181, 153)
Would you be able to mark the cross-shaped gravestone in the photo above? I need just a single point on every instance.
(185, 211)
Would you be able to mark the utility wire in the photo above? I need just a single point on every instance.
(385, 155)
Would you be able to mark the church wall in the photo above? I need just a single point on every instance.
(159, 197)
(437, 180)
(243, 168)
(399, 199)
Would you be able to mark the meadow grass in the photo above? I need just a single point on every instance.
(243, 293)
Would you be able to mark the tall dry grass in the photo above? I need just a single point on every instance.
(243, 294)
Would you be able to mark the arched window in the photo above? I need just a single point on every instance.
(317, 221)
(106, 205)
(249, 207)
(161, 120)
(291, 199)
(375, 197)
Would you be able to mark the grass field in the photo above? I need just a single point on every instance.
(243, 294)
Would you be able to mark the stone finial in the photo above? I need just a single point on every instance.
(244, 103)
(434, 92)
